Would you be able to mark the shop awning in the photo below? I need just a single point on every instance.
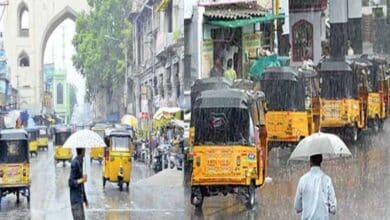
(235, 23)
(162, 5)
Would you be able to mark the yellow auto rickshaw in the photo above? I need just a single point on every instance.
(293, 111)
(43, 138)
(230, 144)
(33, 141)
(14, 164)
(117, 157)
(98, 152)
(62, 154)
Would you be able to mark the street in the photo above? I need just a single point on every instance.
(361, 184)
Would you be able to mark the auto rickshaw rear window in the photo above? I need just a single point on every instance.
(120, 143)
(284, 95)
(223, 126)
(13, 151)
(60, 138)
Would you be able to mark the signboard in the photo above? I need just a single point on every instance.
(251, 43)
(207, 57)
(307, 5)
(221, 2)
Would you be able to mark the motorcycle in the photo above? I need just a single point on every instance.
(160, 158)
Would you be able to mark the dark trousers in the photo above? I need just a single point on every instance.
(78, 211)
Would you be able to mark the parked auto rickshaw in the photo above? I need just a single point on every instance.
(379, 94)
(98, 152)
(199, 86)
(33, 134)
(43, 138)
(117, 157)
(343, 99)
(230, 145)
(14, 164)
(292, 104)
(62, 154)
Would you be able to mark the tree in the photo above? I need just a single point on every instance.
(99, 58)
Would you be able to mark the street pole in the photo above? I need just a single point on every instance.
(126, 76)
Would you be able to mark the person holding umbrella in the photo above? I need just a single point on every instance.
(76, 185)
(80, 140)
(315, 197)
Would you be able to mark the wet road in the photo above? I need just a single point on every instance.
(50, 195)
(362, 185)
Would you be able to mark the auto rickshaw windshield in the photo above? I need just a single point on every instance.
(223, 126)
(61, 137)
(120, 143)
(13, 151)
(337, 85)
(284, 95)
(42, 132)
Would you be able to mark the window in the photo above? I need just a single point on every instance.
(302, 41)
(60, 93)
(23, 60)
(23, 20)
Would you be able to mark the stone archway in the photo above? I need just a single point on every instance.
(44, 17)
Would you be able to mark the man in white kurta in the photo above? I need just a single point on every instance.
(315, 198)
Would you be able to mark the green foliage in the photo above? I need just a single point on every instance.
(101, 36)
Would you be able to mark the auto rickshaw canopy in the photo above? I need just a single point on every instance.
(14, 146)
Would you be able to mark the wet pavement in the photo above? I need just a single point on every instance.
(362, 185)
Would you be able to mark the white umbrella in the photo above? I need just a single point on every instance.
(84, 139)
(329, 145)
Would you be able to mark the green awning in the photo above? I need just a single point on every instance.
(234, 23)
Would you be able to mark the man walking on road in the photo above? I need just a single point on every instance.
(315, 198)
(76, 185)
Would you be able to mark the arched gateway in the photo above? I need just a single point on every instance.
(28, 25)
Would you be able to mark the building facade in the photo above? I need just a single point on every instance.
(157, 71)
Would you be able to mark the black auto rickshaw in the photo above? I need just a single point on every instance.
(14, 164)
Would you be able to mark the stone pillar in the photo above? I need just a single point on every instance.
(338, 17)
(165, 85)
(355, 25)
(137, 97)
(174, 80)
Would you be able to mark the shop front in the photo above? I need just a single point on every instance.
(236, 35)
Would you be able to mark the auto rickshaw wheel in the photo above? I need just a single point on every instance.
(197, 198)
(100, 161)
(28, 195)
(17, 196)
(120, 184)
(251, 197)
(381, 124)
(127, 186)
(104, 182)
(63, 163)
(375, 125)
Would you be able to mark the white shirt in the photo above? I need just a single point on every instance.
(315, 197)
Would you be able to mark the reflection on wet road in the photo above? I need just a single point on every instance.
(362, 185)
